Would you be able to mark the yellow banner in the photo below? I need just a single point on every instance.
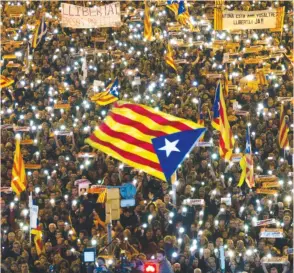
(62, 106)
(266, 178)
(27, 142)
(14, 9)
(33, 166)
(271, 185)
(266, 191)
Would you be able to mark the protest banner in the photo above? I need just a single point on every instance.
(236, 157)
(227, 201)
(21, 128)
(286, 99)
(271, 185)
(84, 17)
(27, 142)
(275, 260)
(239, 19)
(266, 178)
(61, 106)
(265, 222)
(271, 233)
(86, 155)
(33, 166)
(266, 191)
(15, 9)
(203, 144)
(6, 190)
(193, 202)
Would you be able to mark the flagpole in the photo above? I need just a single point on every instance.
(30, 212)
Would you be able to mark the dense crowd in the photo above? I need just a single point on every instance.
(182, 238)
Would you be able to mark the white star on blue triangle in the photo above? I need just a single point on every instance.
(172, 149)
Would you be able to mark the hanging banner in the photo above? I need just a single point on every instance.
(261, 19)
(84, 17)
(271, 233)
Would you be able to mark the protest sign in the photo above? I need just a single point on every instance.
(34, 216)
(275, 260)
(227, 201)
(271, 233)
(61, 106)
(27, 142)
(84, 17)
(266, 191)
(33, 166)
(236, 157)
(16, 9)
(271, 185)
(193, 202)
(266, 178)
(265, 222)
(203, 144)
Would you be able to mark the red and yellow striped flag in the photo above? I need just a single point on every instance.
(169, 58)
(102, 197)
(135, 133)
(5, 82)
(218, 19)
(246, 164)
(284, 130)
(220, 122)
(147, 23)
(38, 240)
(18, 182)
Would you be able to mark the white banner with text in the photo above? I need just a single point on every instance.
(84, 17)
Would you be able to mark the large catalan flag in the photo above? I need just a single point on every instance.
(146, 139)
(284, 130)
(246, 164)
(108, 96)
(169, 58)
(38, 240)
(18, 182)
(147, 23)
(220, 122)
(5, 82)
(39, 33)
(173, 6)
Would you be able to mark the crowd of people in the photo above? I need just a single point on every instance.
(161, 226)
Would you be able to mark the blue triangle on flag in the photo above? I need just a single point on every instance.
(172, 149)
